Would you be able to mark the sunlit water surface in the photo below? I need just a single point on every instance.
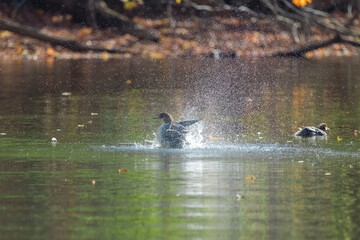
(243, 175)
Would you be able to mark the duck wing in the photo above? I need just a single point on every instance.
(188, 122)
(174, 136)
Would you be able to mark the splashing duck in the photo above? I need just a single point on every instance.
(319, 131)
(172, 134)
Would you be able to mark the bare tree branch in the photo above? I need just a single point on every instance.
(32, 32)
(300, 52)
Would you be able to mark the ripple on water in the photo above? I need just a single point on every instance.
(289, 150)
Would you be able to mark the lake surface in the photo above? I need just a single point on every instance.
(243, 176)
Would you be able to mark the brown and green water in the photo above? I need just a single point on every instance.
(243, 177)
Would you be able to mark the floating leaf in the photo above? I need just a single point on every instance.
(356, 132)
(90, 122)
(81, 125)
(250, 178)
(327, 174)
(339, 139)
(93, 181)
(238, 197)
(94, 114)
(350, 166)
(66, 94)
(122, 170)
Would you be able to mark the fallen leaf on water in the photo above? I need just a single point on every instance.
(356, 132)
(350, 166)
(90, 122)
(327, 174)
(66, 93)
(81, 125)
(93, 181)
(339, 139)
(122, 170)
(250, 178)
(238, 197)
(94, 114)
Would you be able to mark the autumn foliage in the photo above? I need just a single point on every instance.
(216, 35)
(301, 3)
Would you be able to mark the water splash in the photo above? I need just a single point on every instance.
(195, 138)
(207, 149)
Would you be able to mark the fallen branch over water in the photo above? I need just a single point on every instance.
(36, 33)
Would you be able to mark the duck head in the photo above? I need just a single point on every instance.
(166, 117)
(323, 126)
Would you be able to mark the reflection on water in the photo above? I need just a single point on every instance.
(101, 115)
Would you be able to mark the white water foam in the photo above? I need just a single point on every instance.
(197, 144)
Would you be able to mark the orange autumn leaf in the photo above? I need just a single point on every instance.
(356, 132)
(50, 51)
(124, 170)
(250, 178)
(301, 3)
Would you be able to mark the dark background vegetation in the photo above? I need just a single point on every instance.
(296, 27)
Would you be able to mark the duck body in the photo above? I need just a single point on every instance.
(172, 134)
(313, 131)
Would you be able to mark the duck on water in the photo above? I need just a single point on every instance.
(319, 131)
(172, 134)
